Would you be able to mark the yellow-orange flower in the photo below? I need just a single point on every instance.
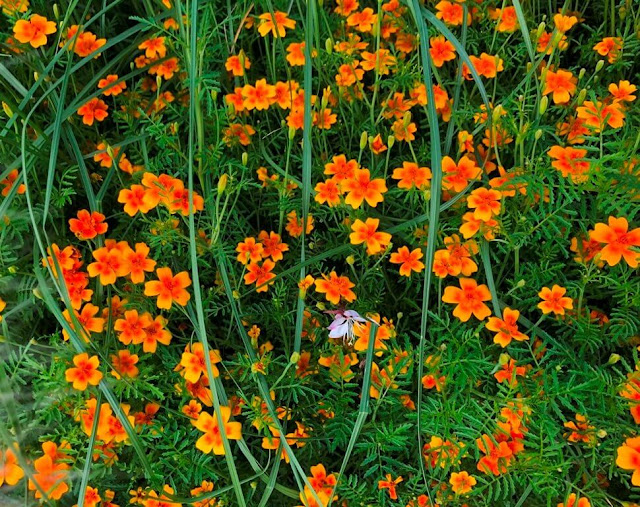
(169, 288)
(409, 261)
(462, 482)
(361, 188)
(85, 372)
(34, 31)
(619, 241)
(367, 232)
(335, 287)
(469, 299)
(276, 23)
(10, 471)
(554, 300)
(212, 438)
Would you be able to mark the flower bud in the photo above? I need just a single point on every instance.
(363, 140)
(292, 133)
(214, 95)
(7, 110)
(56, 11)
(245, 158)
(599, 66)
(406, 119)
(37, 293)
(295, 357)
(504, 359)
(328, 46)
(13, 270)
(581, 96)
(391, 140)
(321, 306)
(222, 183)
(538, 134)
(544, 102)
(582, 72)
(158, 81)
(351, 260)
(521, 283)
(613, 359)
(540, 29)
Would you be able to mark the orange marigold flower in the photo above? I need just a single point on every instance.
(611, 47)
(276, 23)
(10, 471)
(49, 478)
(110, 87)
(169, 288)
(361, 187)
(411, 175)
(628, 458)
(363, 21)
(155, 333)
(380, 61)
(451, 13)
(109, 264)
(238, 133)
(88, 225)
(340, 169)
(345, 7)
(194, 363)
(131, 327)
(87, 43)
(390, 484)
(404, 131)
(34, 31)
(441, 50)
(258, 97)
(623, 91)
(469, 299)
(154, 48)
(237, 64)
(85, 372)
(486, 65)
(563, 22)
(335, 287)
(294, 225)
(456, 176)
(561, 83)
(570, 162)
(273, 245)
(554, 300)
(210, 426)
(409, 261)
(367, 232)
(599, 114)
(575, 501)
(166, 69)
(619, 241)
(137, 198)
(496, 457)
(324, 118)
(485, 203)
(506, 328)
(295, 54)
(249, 250)
(9, 181)
(329, 192)
(260, 275)
(95, 109)
(139, 262)
(462, 483)
(507, 19)
(124, 364)
(14, 7)
(88, 321)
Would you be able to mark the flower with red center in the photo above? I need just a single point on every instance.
(87, 43)
(273, 245)
(260, 275)
(249, 251)
(34, 31)
(390, 484)
(87, 320)
(169, 288)
(109, 86)
(294, 225)
(441, 50)
(49, 478)
(131, 327)
(335, 287)
(9, 181)
(411, 175)
(329, 192)
(155, 333)
(570, 162)
(321, 481)
(88, 225)
(611, 47)
(109, 265)
(456, 176)
(258, 97)
(138, 262)
(409, 260)
(135, 199)
(599, 114)
(276, 23)
(237, 64)
(85, 372)
(623, 91)
(95, 109)
(154, 48)
(340, 169)
(124, 364)
(451, 13)
(210, 426)
(10, 471)
(363, 20)
(469, 299)
(485, 203)
(194, 364)
(367, 232)
(554, 300)
(496, 457)
(628, 458)
(506, 328)
(619, 241)
(361, 187)
(486, 65)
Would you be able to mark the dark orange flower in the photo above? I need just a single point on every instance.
(88, 225)
(469, 299)
(34, 31)
(85, 372)
(95, 109)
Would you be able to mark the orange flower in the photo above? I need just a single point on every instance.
(340, 169)
(34, 31)
(85, 372)
(110, 264)
(381, 61)
(273, 245)
(561, 83)
(294, 226)
(345, 7)
(441, 50)
(276, 23)
(485, 203)
(154, 48)
(507, 19)
(410, 261)
(611, 47)
(468, 299)
(212, 438)
(451, 13)
(377, 145)
(50, 478)
(367, 232)
(295, 54)
(166, 69)
(363, 21)
(628, 458)
(124, 364)
(169, 288)
(155, 333)
(324, 119)
(619, 241)
(410, 175)
(486, 65)
(569, 161)
(249, 251)
(87, 43)
(95, 109)
(403, 130)
(462, 482)
(599, 114)
(564, 23)
(320, 481)
(138, 262)
(137, 198)
(9, 181)
(506, 328)
(110, 87)
(88, 321)
(14, 7)
(623, 91)
(131, 327)
(553, 300)
(390, 484)
(10, 471)
(88, 225)
(260, 275)
(334, 287)
(329, 192)
(194, 364)
(575, 501)
(237, 64)
(238, 133)
(496, 457)
(259, 97)
(456, 176)
(361, 187)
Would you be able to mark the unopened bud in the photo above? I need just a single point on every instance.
(538, 134)
(328, 46)
(504, 359)
(214, 95)
(406, 119)
(7, 110)
(391, 140)
(544, 102)
(321, 306)
(581, 96)
(37, 293)
(351, 260)
(540, 29)
(292, 133)
(521, 283)
(363, 140)
(245, 158)
(582, 72)
(13, 270)
(222, 183)
(613, 359)
(295, 357)
(599, 65)
(158, 81)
